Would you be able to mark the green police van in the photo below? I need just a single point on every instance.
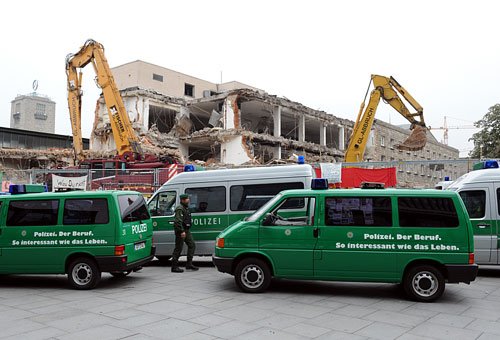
(80, 234)
(420, 238)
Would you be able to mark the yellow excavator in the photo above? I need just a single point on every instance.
(127, 143)
(386, 89)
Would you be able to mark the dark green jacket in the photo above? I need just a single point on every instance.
(182, 220)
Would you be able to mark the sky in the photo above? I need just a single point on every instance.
(319, 53)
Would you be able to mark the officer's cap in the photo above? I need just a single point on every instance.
(184, 196)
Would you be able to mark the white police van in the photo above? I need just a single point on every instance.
(218, 199)
(480, 191)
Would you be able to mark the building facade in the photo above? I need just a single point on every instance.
(34, 112)
(230, 123)
(169, 82)
(421, 168)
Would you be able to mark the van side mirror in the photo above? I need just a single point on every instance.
(268, 219)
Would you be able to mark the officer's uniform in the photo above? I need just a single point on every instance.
(182, 224)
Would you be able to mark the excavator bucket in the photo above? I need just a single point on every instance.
(416, 141)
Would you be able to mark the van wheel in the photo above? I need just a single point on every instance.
(424, 283)
(252, 275)
(83, 273)
(120, 274)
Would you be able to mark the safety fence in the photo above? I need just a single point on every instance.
(409, 174)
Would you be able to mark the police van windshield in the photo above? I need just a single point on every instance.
(133, 208)
(255, 216)
(456, 183)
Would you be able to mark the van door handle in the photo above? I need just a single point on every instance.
(171, 222)
(316, 232)
(483, 225)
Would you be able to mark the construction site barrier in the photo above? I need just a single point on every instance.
(410, 174)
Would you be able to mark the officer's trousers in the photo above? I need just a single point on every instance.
(179, 244)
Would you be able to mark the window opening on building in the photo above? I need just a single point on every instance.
(157, 77)
(40, 111)
(189, 90)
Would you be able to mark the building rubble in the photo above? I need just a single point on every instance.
(22, 159)
(234, 127)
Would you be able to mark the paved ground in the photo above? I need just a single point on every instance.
(155, 303)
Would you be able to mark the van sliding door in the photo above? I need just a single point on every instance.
(355, 239)
(477, 200)
(162, 207)
(30, 239)
(209, 213)
(495, 240)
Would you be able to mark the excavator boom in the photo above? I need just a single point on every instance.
(123, 133)
(386, 89)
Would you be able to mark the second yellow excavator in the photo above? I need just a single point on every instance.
(387, 89)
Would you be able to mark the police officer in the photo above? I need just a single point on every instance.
(182, 224)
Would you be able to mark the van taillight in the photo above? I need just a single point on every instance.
(152, 240)
(471, 258)
(119, 250)
(220, 243)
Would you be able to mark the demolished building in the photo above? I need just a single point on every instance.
(239, 126)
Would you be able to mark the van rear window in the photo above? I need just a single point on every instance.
(85, 211)
(133, 208)
(427, 212)
(32, 213)
(358, 211)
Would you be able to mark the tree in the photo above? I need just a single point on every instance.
(489, 135)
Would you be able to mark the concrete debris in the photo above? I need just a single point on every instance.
(19, 159)
(236, 127)
(215, 119)
(220, 135)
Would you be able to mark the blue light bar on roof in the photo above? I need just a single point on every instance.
(189, 167)
(16, 189)
(492, 164)
(319, 184)
(489, 164)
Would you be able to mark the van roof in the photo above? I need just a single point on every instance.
(222, 175)
(477, 176)
(373, 192)
(72, 194)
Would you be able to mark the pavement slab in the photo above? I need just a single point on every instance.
(206, 305)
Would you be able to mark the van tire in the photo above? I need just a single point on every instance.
(83, 273)
(252, 275)
(424, 283)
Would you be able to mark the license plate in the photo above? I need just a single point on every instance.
(139, 246)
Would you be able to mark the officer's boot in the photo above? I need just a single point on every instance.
(191, 266)
(175, 267)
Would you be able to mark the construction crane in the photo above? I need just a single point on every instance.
(127, 143)
(445, 127)
(386, 89)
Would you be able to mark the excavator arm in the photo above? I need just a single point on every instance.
(123, 133)
(386, 89)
